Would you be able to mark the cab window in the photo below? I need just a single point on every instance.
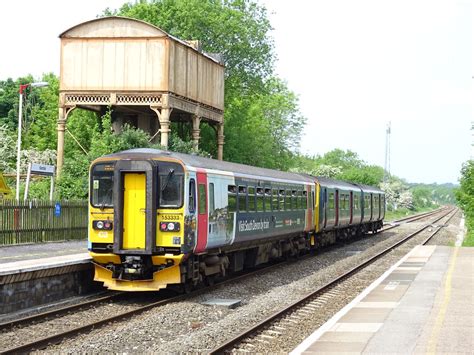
(171, 187)
(102, 183)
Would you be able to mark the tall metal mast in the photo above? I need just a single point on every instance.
(387, 153)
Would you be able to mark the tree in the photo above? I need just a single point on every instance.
(7, 150)
(465, 194)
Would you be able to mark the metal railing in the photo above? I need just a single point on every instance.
(42, 221)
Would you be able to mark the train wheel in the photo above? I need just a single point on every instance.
(210, 280)
(188, 287)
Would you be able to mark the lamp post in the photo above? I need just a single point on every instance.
(20, 113)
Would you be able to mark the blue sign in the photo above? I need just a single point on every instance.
(57, 209)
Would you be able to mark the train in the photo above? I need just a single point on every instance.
(160, 219)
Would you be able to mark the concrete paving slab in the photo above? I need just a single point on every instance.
(376, 305)
(356, 327)
(336, 347)
(346, 337)
(381, 295)
(366, 315)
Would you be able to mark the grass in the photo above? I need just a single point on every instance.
(469, 239)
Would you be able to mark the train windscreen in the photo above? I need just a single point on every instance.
(102, 183)
(171, 187)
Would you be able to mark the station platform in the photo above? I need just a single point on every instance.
(423, 304)
(35, 274)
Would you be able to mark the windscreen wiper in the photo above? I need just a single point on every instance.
(168, 178)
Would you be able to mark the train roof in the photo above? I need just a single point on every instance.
(331, 183)
(196, 161)
(367, 188)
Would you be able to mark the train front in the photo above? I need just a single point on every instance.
(136, 222)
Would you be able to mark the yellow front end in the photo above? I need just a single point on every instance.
(110, 253)
(165, 239)
(161, 279)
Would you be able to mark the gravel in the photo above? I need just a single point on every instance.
(189, 326)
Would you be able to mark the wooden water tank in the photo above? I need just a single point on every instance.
(117, 54)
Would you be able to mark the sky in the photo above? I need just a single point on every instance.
(355, 66)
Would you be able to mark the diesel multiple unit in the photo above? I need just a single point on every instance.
(160, 218)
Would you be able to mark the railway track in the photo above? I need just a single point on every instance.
(56, 338)
(42, 343)
(275, 324)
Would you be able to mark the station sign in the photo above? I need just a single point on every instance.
(41, 169)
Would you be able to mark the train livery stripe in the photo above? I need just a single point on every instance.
(202, 211)
(316, 207)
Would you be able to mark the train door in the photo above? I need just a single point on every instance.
(134, 208)
(371, 206)
(202, 212)
(383, 207)
(325, 207)
(351, 206)
(378, 206)
(336, 212)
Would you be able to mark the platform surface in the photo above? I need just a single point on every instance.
(13, 253)
(34, 257)
(423, 304)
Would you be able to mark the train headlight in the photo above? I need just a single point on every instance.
(102, 225)
(169, 226)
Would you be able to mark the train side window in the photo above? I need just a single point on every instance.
(367, 202)
(242, 198)
(281, 200)
(288, 200)
(192, 196)
(268, 199)
(299, 200)
(294, 200)
(251, 199)
(356, 202)
(202, 198)
(260, 193)
(331, 200)
(211, 198)
(232, 198)
(275, 200)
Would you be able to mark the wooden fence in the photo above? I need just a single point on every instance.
(42, 221)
